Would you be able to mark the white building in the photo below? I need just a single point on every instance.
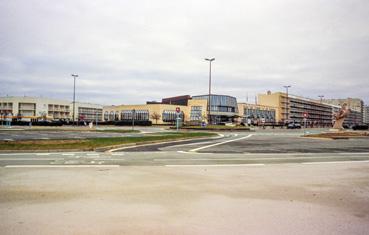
(31, 108)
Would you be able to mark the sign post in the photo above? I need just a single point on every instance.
(178, 110)
(306, 115)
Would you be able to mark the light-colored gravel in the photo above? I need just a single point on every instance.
(272, 199)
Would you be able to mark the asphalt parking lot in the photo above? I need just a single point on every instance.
(263, 142)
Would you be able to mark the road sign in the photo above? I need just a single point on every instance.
(178, 109)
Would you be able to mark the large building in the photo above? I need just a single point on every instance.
(31, 108)
(366, 114)
(297, 109)
(315, 113)
(257, 114)
(354, 104)
(192, 109)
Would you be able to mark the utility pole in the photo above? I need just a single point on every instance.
(286, 107)
(320, 115)
(74, 96)
(209, 101)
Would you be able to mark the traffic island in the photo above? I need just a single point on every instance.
(94, 143)
(215, 128)
(339, 135)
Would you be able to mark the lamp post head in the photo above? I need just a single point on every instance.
(74, 75)
(212, 59)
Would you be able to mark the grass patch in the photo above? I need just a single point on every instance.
(216, 127)
(91, 144)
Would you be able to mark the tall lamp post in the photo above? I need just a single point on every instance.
(286, 101)
(74, 96)
(209, 101)
(320, 116)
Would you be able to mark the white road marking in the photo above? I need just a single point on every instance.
(42, 154)
(334, 162)
(216, 144)
(92, 154)
(61, 166)
(217, 165)
(27, 159)
(118, 154)
(8, 139)
(197, 143)
(68, 154)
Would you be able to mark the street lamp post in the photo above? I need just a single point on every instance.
(74, 96)
(286, 107)
(320, 115)
(133, 118)
(209, 101)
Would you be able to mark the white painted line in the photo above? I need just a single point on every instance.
(197, 143)
(118, 154)
(8, 139)
(216, 144)
(334, 162)
(92, 154)
(27, 159)
(42, 154)
(216, 165)
(68, 154)
(61, 166)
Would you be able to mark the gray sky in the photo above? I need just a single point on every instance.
(132, 51)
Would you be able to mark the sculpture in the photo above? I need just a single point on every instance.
(340, 117)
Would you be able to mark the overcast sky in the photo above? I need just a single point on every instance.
(129, 52)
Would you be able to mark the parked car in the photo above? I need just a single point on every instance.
(360, 127)
(293, 126)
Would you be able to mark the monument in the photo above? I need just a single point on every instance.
(340, 118)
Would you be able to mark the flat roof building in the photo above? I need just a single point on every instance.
(223, 109)
(366, 114)
(27, 108)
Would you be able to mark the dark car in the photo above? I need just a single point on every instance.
(360, 127)
(294, 126)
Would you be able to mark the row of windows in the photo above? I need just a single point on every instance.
(220, 103)
(259, 113)
(167, 115)
(127, 115)
(196, 113)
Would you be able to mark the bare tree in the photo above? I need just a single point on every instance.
(155, 116)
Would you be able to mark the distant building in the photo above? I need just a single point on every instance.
(366, 114)
(257, 114)
(178, 100)
(192, 109)
(31, 108)
(354, 104)
(296, 109)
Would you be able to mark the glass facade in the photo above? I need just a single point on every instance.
(171, 115)
(220, 103)
(257, 115)
(142, 115)
(223, 108)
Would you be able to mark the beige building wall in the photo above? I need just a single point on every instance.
(277, 100)
(152, 108)
(114, 112)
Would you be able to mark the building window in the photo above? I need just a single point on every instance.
(196, 113)
(171, 115)
(140, 115)
(111, 116)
